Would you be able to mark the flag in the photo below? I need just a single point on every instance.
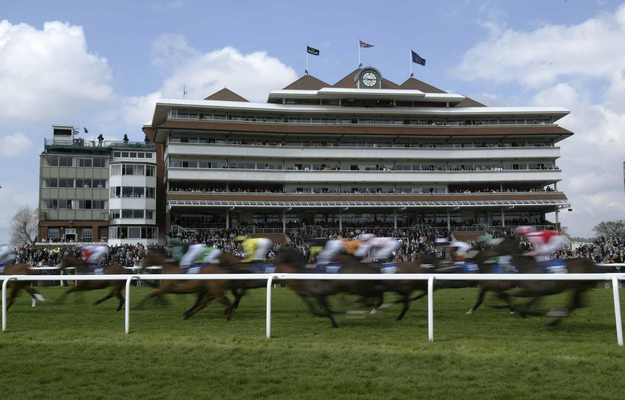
(86, 131)
(311, 50)
(365, 45)
(416, 59)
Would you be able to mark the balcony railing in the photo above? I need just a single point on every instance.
(80, 143)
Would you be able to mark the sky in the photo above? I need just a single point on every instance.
(103, 67)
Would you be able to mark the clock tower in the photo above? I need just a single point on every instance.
(368, 78)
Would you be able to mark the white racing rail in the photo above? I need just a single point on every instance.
(608, 277)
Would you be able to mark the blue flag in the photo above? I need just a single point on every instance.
(416, 59)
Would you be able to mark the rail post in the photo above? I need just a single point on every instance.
(4, 302)
(431, 308)
(127, 303)
(269, 282)
(617, 311)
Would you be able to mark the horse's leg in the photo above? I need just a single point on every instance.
(118, 293)
(12, 295)
(158, 292)
(480, 300)
(200, 297)
(323, 302)
(203, 299)
(404, 310)
(564, 312)
(105, 298)
(237, 297)
(35, 294)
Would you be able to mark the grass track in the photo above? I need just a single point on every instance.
(76, 351)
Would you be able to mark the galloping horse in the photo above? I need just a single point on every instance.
(535, 289)
(16, 286)
(318, 291)
(207, 290)
(82, 268)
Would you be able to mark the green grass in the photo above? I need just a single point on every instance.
(77, 351)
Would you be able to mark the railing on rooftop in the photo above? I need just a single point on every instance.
(80, 143)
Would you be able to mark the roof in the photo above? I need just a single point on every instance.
(415, 84)
(307, 82)
(468, 102)
(225, 94)
(348, 82)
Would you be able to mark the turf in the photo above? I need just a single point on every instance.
(77, 351)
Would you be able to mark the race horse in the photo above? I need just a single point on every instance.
(16, 286)
(316, 292)
(83, 269)
(206, 290)
(536, 290)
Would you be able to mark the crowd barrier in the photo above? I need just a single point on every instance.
(609, 277)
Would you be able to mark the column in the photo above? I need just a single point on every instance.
(340, 220)
(395, 219)
(448, 220)
(227, 219)
(557, 218)
(284, 220)
(503, 219)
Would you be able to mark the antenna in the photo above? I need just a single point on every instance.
(184, 91)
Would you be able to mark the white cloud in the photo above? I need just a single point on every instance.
(14, 145)
(540, 57)
(252, 75)
(48, 74)
(580, 68)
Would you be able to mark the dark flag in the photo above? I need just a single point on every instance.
(86, 131)
(365, 45)
(311, 50)
(416, 59)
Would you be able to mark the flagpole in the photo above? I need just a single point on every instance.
(359, 63)
(306, 58)
(410, 62)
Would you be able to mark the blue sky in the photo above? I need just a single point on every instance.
(103, 67)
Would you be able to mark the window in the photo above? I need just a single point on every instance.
(149, 214)
(65, 204)
(48, 204)
(117, 154)
(125, 154)
(99, 162)
(66, 183)
(113, 232)
(83, 204)
(140, 155)
(116, 169)
(103, 233)
(66, 162)
(115, 214)
(99, 204)
(150, 193)
(148, 155)
(53, 233)
(50, 183)
(85, 162)
(149, 170)
(87, 235)
(133, 154)
(84, 183)
(175, 164)
(134, 232)
(99, 183)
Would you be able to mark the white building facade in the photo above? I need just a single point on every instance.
(364, 150)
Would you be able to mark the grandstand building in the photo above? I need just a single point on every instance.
(94, 191)
(362, 149)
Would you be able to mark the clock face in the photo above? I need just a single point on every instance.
(369, 79)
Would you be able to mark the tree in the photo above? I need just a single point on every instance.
(610, 228)
(24, 227)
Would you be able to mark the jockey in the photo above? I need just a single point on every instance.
(255, 248)
(462, 250)
(545, 243)
(7, 255)
(335, 246)
(93, 254)
(191, 255)
(208, 255)
(382, 247)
